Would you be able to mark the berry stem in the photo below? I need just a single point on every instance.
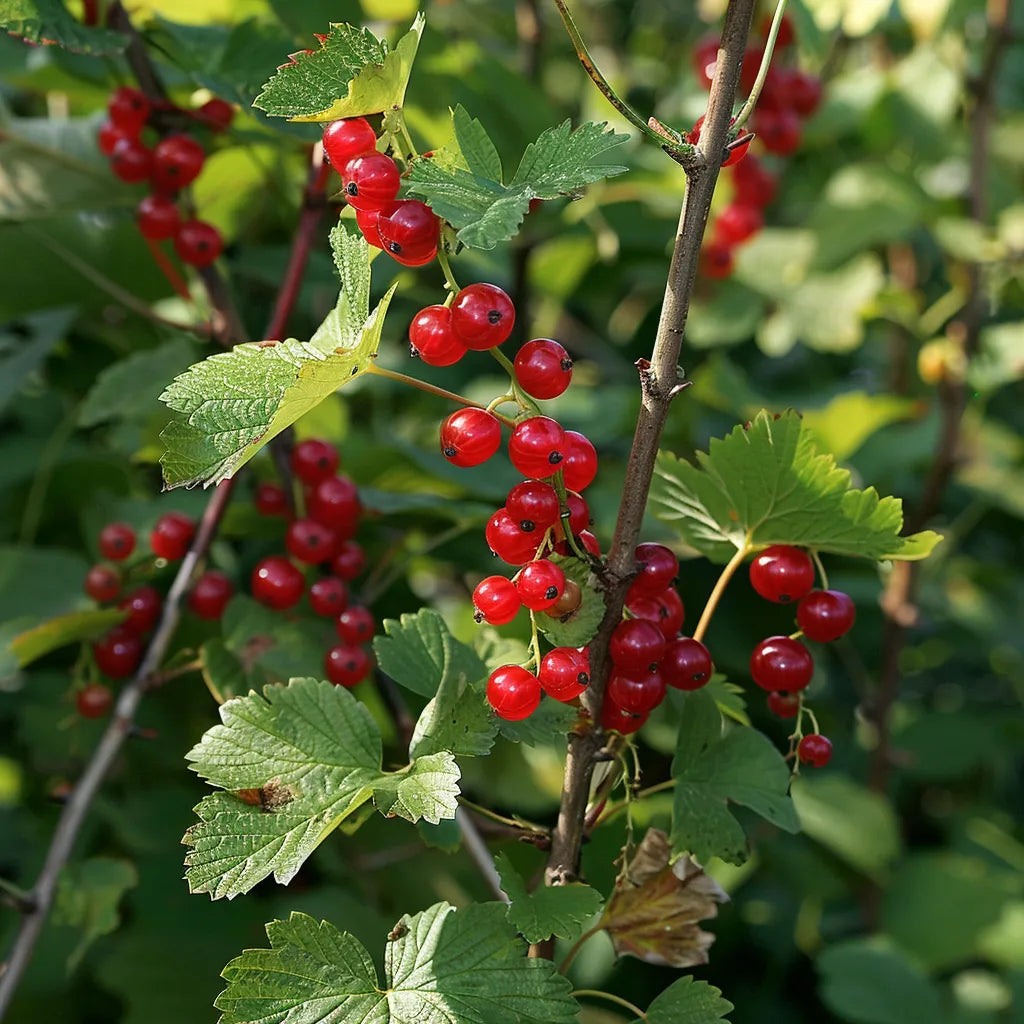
(449, 278)
(519, 824)
(719, 589)
(168, 269)
(578, 945)
(565, 515)
(625, 1003)
(534, 641)
(822, 575)
(431, 389)
(762, 72)
(518, 395)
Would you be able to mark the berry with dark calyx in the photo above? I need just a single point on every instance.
(346, 665)
(782, 573)
(276, 583)
(540, 584)
(537, 446)
(131, 160)
(534, 505)
(482, 316)
(171, 536)
(314, 460)
(370, 180)
(433, 339)
(617, 719)
(815, 750)
(496, 600)
(579, 467)
(94, 700)
(103, 583)
(197, 243)
(108, 136)
(781, 663)
(753, 184)
(543, 368)
(638, 695)
(348, 560)
(157, 217)
(737, 222)
(346, 139)
(565, 673)
(271, 500)
(177, 162)
(309, 541)
(658, 567)
(665, 610)
(825, 615)
(143, 606)
(717, 260)
(328, 596)
(636, 647)
(508, 541)
(470, 436)
(705, 59)
(335, 503)
(571, 599)
(117, 541)
(118, 653)
(216, 114)
(513, 692)
(778, 130)
(128, 109)
(355, 625)
(686, 664)
(783, 705)
(409, 232)
(210, 595)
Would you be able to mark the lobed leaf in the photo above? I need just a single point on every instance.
(50, 22)
(688, 1001)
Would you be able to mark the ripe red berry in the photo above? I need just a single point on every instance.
(782, 573)
(94, 700)
(802, 92)
(366, 220)
(579, 466)
(198, 243)
(508, 540)
(658, 567)
(128, 109)
(177, 162)
(686, 664)
(108, 136)
(433, 339)
(534, 505)
(825, 615)
(346, 665)
(217, 114)
(346, 139)
(579, 515)
(665, 610)
(638, 695)
(271, 500)
(540, 584)
(117, 541)
(335, 503)
(737, 222)
(355, 625)
(409, 232)
(131, 160)
(328, 596)
(496, 600)
(616, 719)
(470, 436)
(102, 583)
(543, 368)
(778, 130)
(815, 750)
(118, 653)
(482, 316)
(716, 260)
(157, 217)
(783, 705)
(781, 663)
(276, 583)
(754, 185)
(172, 535)
(786, 32)
(314, 460)
(537, 446)
(210, 595)
(513, 692)
(143, 606)
(370, 180)
(636, 647)
(348, 560)
(309, 541)
(565, 673)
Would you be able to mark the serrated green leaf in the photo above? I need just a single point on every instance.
(235, 402)
(441, 966)
(352, 74)
(223, 672)
(457, 718)
(64, 629)
(562, 160)
(50, 22)
(688, 1001)
(551, 909)
(768, 484)
(295, 762)
(579, 628)
(22, 353)
(712, 770)
(478, 152)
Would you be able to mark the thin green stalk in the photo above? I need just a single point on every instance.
(431, 389)
(822, 575)
(446, 268)
(719, 589)
(635, 1010)
(762, 72)
(578, 945)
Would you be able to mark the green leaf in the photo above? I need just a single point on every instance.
(24, 350)
(223, 672)
(64, 629)
(235, 402)
(551, 909)
(441, 966)
(768, 484)
(579, 628)
(296, 762)
(712, 770)
(352, 74)
(687, 1001)
(462, 183)
(50, 22)
(457, 718)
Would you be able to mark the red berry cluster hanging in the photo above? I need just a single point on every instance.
(169, 165)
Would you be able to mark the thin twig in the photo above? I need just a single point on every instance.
(479, 853)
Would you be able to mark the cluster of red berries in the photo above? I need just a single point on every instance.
(782, 665)
(787, 97)
(405, 228)
(169, 165)
(322, 537)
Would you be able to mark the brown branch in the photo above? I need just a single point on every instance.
(658, 380)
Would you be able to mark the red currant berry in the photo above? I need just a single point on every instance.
(172, 535)
(636, 647)
(543, 368)
(686, 664)
(313, 461)
(308, 541)
(579, 515)
(658, 568)
(803, 92)
(271, 500)
(753, 184)
(736, 223)
(143, 606)
(217, 114)
(579, 467)
(737, 151)
(328, 596)
(102, 583)
(131, 160)
(335, 503)
(469, 437)
(409, 232)
(347, 665)
(118, 653)
(782, 573)
(94, 700)
(640, 695)
(513, 692)
(117, 541)
(781, 663)
(534, 505)
(157, 217)
(778, 130)
(355, 625)
(537, 446)
(370, 180)
(128, 109)
(108, 136)
(825, 615)
(815, 750)
(783, 705)
(665, 610)
(348, 561)
(717, 260)
(616, 719)
(210, 595)
(346, 139)
(565, 673)
(586, 539)
(571, 599)
(482, 316)
(276, 583)
(496, 600)
(197, 243)
(508, 541)
(366, 220)
(540, 584)
(433, 339)
(786, 32)
(177, 161)
(705, 59)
